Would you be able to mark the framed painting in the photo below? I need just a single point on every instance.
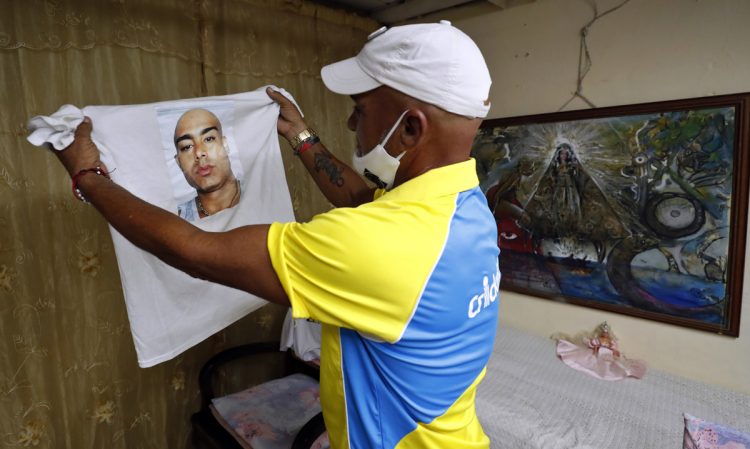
(639, 210)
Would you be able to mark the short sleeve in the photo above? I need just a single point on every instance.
(359, 268)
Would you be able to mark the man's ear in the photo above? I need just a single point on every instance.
(415, 126)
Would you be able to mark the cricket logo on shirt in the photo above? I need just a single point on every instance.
(483, 300)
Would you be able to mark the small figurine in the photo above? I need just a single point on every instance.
(604, 339)
(599, 355)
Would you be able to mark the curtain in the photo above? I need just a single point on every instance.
(68, 371)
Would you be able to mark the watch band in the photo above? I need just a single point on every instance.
(302, 136)
(305, 145)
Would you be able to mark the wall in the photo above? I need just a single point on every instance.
(645, 51)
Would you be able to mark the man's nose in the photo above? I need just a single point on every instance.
(351, 123)
(199, 151)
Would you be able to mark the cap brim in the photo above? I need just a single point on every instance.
(347, 78)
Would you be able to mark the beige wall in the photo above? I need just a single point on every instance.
(649, 50)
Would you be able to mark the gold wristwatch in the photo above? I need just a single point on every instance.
(302, 136)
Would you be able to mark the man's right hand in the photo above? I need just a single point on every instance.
(339, 183)
(82, 153)
(290, 121)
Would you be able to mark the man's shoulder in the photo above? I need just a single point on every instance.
(378, 223)
(188, 210)
(187, 204)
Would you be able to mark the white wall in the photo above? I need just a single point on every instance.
(649, 50)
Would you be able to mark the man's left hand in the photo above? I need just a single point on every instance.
(290, 121)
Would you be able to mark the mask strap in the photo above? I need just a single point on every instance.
(393, 128)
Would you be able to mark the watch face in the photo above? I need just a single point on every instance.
(304, 135)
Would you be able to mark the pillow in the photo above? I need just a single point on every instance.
(700, 434)
(269, 415)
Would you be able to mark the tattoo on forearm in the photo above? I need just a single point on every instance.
(324, 163)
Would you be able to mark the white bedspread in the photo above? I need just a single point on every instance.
(530, 399)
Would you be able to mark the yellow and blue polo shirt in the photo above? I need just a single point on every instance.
(406, 288)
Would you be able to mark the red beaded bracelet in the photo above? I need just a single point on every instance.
(97, 170)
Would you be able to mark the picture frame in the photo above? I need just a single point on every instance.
(639, 209)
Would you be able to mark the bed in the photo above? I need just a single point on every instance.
(530, 399)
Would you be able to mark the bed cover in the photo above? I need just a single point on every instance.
(530, 399)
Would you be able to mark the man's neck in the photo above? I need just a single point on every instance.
(209, 203)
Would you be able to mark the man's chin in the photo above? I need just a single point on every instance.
(204, 188)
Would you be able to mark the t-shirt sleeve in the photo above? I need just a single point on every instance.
(362, 269)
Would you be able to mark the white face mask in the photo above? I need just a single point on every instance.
(378, 166)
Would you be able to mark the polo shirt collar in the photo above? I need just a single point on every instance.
(441, 181)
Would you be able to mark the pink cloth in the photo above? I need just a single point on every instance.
(599, 361)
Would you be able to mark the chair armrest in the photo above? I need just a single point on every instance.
(205, 378)
(309, 432)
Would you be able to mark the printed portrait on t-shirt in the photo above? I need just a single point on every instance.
(201, 157)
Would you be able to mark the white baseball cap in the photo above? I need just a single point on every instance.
(436, 63)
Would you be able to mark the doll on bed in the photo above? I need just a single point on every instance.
(603, 339)
(599, 355)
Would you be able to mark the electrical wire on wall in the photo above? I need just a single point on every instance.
(584, 57)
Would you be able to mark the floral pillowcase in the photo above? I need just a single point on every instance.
(700, 434)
